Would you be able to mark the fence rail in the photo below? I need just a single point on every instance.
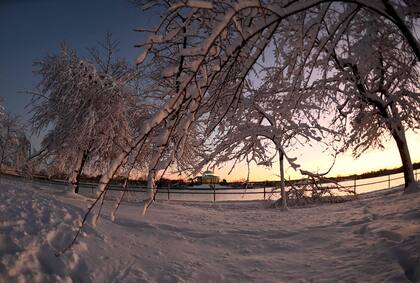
(221, 193)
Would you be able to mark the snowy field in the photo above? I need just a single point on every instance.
(367, 240)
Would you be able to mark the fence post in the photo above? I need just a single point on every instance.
(264, 191)
(214, 193)
(354, 185)
(389, 181)
(169, 186)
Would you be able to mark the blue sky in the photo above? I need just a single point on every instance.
(31, 29)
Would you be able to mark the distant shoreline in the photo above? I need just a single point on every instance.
(182, 183)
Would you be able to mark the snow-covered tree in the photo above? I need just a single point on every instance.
(265, 117)
(86, 107)
(366, 71)
(223, 41)
(379, 89)
(14, 146)
(208, 49)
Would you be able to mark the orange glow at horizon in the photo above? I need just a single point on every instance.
(316, 161)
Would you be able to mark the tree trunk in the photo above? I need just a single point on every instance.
(151, 184)
(82, 165)
(151, 188)
(282, 183)
(113, 167)
(409, 180)
(75, 175)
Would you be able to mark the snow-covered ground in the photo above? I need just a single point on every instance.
(375, 239)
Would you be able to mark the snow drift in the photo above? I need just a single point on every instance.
(371, 239)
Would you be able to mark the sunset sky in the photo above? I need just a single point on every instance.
(316, 161)
(31, 29)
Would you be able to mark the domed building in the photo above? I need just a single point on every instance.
(208, 177)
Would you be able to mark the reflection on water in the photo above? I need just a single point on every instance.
(237, 194)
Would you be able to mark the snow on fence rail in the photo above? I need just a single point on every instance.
(137, 193)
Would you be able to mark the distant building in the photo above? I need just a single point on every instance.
(208, 177)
